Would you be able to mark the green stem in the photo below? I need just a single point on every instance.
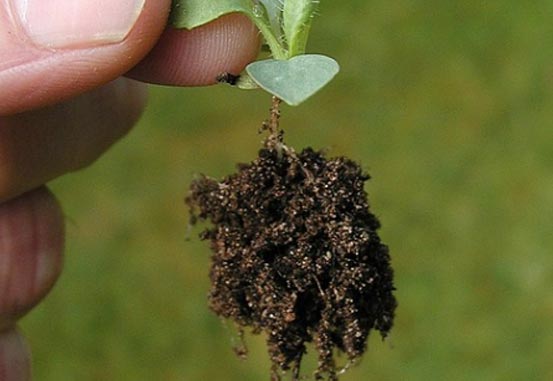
(277, 50)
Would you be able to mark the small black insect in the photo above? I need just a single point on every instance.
(229, 78)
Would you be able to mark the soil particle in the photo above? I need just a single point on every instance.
(296, 255)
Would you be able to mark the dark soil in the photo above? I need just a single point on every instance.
(296, 255)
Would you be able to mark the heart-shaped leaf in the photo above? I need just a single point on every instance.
(296, 79)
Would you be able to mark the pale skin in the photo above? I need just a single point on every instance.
(61, 107)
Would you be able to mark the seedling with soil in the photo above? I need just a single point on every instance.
(296, 254)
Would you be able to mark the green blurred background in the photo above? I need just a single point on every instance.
(448, 104)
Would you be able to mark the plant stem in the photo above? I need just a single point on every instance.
(274, 140)
(275, 116)
(278, 52)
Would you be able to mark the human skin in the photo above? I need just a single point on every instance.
(65, 98)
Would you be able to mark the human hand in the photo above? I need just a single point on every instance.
(63, 102)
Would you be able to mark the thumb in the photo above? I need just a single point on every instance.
(55, 49)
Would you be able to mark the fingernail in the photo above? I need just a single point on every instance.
(77, 23)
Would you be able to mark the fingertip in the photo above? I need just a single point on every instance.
(31, 249)
(15, 357)
(196, 57)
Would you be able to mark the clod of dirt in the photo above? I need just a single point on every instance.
(296, 255)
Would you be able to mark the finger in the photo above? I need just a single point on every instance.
(31, 245)
(52, 50)
(38, 146)
(198, 56)
(15, 363)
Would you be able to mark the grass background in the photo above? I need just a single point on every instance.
(448, 104)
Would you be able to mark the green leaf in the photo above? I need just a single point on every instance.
(190, 14)
(274, 13)
(294, 80)
(297, 16)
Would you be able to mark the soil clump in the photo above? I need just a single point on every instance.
(296, 254)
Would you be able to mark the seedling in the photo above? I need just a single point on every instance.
(296, 254)
(291, 75)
